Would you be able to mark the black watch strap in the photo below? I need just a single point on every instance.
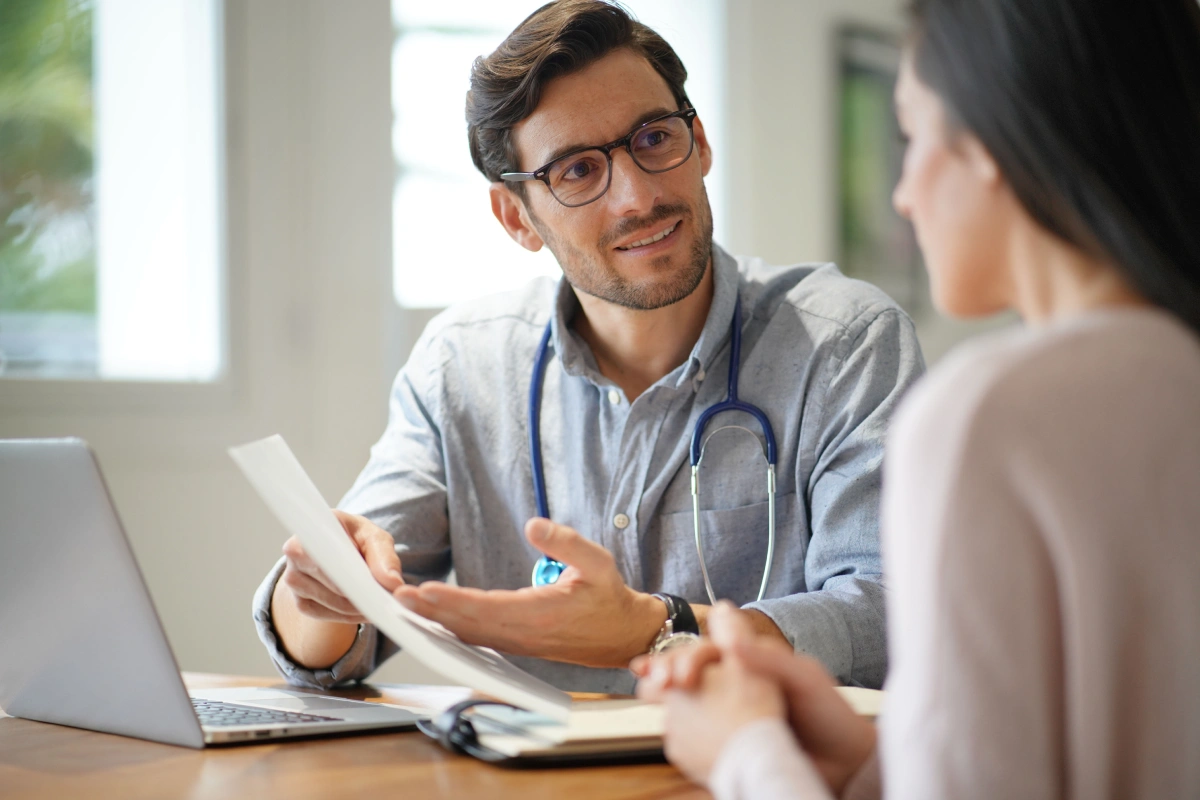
(680, 614)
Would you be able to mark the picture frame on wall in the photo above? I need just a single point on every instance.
(875, 243)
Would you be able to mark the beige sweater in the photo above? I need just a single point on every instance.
(1042, 546)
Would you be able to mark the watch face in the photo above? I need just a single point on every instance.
(675, 640)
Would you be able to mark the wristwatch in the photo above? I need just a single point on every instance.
(680, 629)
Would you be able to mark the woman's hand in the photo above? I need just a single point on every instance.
(836, 739)
(701, 721)
(713, 697)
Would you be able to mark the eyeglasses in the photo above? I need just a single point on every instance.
(583, 176)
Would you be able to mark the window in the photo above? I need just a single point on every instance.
(109, 190)
(447, 245)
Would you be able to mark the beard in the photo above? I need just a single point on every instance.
(592, 272)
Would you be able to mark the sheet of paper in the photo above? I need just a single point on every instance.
(287, 490)
(428, 700)
(865, 702)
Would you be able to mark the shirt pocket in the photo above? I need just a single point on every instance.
(735, 550)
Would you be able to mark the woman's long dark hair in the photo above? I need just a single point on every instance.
(1091, 109)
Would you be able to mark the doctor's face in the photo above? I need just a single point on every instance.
(614, 248)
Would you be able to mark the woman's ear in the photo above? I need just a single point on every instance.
(980, 159)
(511, 212)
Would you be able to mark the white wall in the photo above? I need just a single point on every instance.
(315, 336)
(783, 109)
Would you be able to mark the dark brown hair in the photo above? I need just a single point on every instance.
(1091, 109)
(556, 40)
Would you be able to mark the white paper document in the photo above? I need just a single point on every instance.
(282, 483)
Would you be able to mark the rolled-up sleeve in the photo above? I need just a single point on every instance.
(358, 662)
(840, 618)
(402, 490)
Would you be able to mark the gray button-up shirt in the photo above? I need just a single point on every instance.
(826, 358)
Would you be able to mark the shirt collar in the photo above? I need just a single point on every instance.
(576, 358)
(572, 352)
(726, 285)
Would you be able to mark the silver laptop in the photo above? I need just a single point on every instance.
(80, 641)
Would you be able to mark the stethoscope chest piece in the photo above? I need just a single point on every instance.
(547, 571)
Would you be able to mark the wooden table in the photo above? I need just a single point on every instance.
(50, 761)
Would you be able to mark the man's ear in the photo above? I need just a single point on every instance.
(702, 148)
(511, 212)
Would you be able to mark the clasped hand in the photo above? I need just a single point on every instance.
(588, 617)
(714, 688)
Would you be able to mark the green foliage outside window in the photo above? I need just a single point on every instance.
(47, 223)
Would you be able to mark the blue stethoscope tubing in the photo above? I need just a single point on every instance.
(547, 570)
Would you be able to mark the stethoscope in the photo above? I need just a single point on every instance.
(547, 570)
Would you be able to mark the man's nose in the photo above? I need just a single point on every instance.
(633, 190)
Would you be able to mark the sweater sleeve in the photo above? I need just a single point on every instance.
(762, 761)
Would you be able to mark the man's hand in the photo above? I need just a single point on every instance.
(588, 617)
(316, 596)
(316, 623)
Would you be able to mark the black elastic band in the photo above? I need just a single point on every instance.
(680, 614)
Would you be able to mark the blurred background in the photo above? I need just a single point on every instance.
(223, 220)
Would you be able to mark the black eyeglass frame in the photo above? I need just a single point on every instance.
(542, 173)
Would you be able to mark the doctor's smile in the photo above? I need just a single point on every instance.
(640, 246)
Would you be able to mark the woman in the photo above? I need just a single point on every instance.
(1042, 491)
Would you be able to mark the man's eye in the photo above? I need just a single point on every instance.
(651, 139)
(579, 170)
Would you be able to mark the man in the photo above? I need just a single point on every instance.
(639, 346)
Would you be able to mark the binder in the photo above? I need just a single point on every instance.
(598, 731)
(503, 734)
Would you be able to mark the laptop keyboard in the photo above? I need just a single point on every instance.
(215, 714)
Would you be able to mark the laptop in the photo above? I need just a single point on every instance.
(80, 641)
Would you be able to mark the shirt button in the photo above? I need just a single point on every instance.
(621, 521)
(614, 397)
(700, 375)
